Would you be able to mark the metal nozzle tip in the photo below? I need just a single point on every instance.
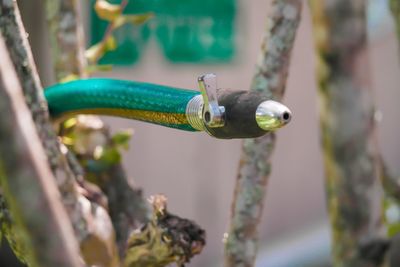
(271, 115)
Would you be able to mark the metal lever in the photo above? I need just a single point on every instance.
(213, 114)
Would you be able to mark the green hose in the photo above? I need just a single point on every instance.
(140, 101)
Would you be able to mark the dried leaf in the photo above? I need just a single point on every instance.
(98, 50)
(166, 239)
(107, 11)
(94, 52)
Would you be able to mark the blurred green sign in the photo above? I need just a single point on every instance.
(200, 31)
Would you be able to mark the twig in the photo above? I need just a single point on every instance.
(111, 25)
(254, 168)
(348, 130)
(93, 60)
(27, 180)
(16, 40)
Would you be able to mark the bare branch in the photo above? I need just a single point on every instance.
(27, 180)
(127, 207)
(254, 168)
(16, 40)
(348, 130)
(66, 38)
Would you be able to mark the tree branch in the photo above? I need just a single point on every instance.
(348, 130)
(254, 168)
(126, 204)
(27, 181)
(21, 56)
(66, 38)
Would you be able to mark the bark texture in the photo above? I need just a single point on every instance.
(21, 56)
(255, 167)
(27, 181)
(66, 38)
(127, 208)
(348, 140)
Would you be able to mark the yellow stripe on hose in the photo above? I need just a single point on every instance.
(144, 115)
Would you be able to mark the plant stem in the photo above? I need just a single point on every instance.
(15, 38)
(254, 168)
(111, 26)
(27, 181)
(66, 38)
(348, 130)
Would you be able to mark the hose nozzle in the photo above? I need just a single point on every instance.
(271, 115)
(228, 114)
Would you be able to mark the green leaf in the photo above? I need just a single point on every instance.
(122, 138)
(70, 123)
(110, 156)
(393, 229)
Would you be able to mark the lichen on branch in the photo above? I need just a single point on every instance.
(66, 38)
(255, 167)
(348, 131)
(21, 56)
(28, 184)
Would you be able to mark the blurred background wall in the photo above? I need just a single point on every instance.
(197, 173)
